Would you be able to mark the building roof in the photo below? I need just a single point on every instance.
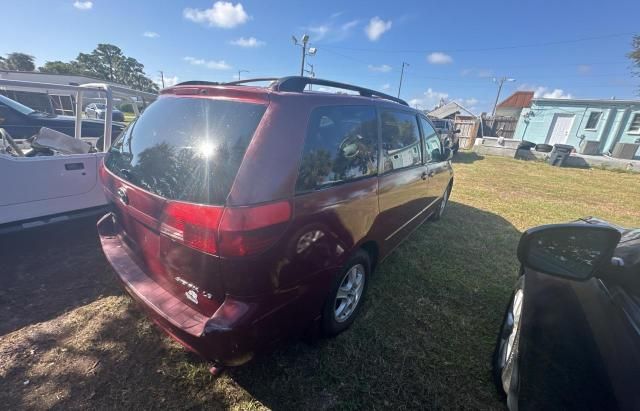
(519, 99)
(560, 101)
(449, 109)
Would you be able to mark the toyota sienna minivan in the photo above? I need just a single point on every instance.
(243, 214)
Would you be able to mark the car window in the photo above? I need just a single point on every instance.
(15, 105)
(186, 149)
(341, 145)
(400, 140)
(432, 144)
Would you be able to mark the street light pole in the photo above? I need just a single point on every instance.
(162, 77)
(303, 44)
(311, 72)
(240, 72)
(500, 82)
(401, 76)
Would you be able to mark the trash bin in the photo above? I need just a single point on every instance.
(559, 154)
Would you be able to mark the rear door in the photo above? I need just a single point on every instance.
(182, 150)
(403, 183)
(438, 169)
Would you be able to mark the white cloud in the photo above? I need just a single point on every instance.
(168, 81)
(376, 28)
(429, 99)
(318, 32)
(248, 42)
(385, 86)
(383, 68)
(545, 92)
(485, 73)
(222, 14)
(83, 5)
(331, 31)
(438, 57)
(584, 69)
(349, 25)
(210, 64)
(150, 34)
(556, 93)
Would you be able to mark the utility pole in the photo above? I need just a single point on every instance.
(311, 73)
(401, 76)
(303, 44)
(162, 77)
(240, 72)
(500, 82)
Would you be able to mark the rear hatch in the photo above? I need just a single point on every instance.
(168, 176)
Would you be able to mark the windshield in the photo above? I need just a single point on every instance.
(16, 106)
(101, 106)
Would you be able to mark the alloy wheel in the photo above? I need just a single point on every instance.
(349, 293)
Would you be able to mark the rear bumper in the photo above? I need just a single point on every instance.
(229, 337)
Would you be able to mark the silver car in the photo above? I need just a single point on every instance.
(98, 110)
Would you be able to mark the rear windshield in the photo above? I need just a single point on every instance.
(186, 149)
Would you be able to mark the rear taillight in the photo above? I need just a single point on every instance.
(250, 230)
(228, 232)
(191, 224)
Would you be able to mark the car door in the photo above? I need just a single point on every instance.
(48, 177)
(438, 168)
(16, 124)
(402, 193)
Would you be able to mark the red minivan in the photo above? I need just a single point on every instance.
(243, 214)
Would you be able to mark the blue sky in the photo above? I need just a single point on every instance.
(454, 49)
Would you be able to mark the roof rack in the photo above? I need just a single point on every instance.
(298, 84)
(251, 80)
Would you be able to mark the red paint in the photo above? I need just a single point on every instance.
(255, 283)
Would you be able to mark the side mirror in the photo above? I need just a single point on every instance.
(457, 131)
(574, 251)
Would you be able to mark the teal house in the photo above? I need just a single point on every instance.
(593, 127)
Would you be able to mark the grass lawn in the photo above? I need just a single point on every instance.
(423, 339)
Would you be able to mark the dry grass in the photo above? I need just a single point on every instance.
(423, 340)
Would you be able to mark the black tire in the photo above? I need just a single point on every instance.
(437, 215)
(526, 145)
(497, 361)
(330, 325)
(544, 148)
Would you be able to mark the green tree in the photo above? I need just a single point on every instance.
(634, 55)
(18, 62)
(60, 67)
(108, 62)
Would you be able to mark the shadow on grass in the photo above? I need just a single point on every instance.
(49, 270)
(467, 157)
(423, 339)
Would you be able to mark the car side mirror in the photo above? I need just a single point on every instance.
(574, 251)
(457, 131)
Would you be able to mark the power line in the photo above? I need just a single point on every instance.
(464, 50)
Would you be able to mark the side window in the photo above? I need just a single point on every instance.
(341, 145)
(400, 140)
(432, 144)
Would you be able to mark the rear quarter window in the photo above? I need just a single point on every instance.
(341, 145)
(186, 149)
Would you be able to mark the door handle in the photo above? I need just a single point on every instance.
(74, 166)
